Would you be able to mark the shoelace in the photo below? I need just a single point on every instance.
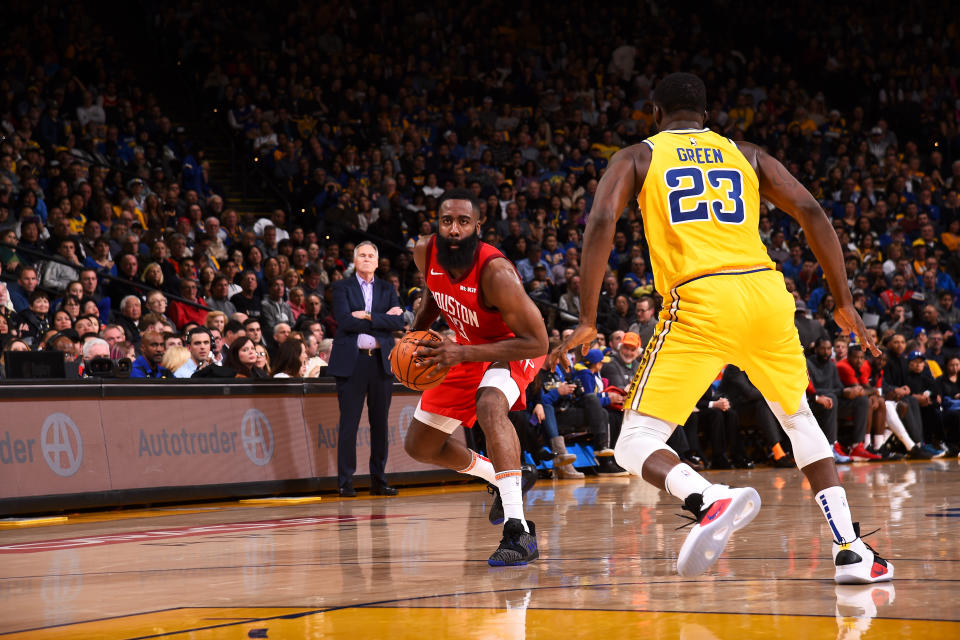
(866, 544)
(693, 504)
(692, 521)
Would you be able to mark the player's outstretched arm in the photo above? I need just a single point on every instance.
(620, 183)
(780, 187)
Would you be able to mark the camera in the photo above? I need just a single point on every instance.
(102, 367)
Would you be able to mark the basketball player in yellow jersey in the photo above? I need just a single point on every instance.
(699, 194)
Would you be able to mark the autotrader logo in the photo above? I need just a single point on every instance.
(61, 444)
(257, 436)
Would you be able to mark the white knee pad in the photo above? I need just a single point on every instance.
(806, 436)
(640, 436)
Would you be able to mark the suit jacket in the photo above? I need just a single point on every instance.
(347, 298)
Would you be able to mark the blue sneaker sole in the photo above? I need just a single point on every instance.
(497, 563)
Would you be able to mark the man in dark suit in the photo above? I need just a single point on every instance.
(367, 311)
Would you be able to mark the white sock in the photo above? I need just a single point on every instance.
(681, 481)
(833, 503)
(511, 494)
(877, 441)
(480, 467)
(896, 425)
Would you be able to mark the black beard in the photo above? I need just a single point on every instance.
(459, 259)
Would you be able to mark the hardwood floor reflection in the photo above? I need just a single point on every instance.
(415, 566)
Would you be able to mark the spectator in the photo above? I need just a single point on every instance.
(831, 398)
(95, 350)
(127, 268)
(291, 360)
(254, 331)
(274, 310)
(129, 318)
(549, 393)
(924, 389)
(215, 320)
(149, 364)
(620, 370)
(35, 321)
(243, 359)
(263, 359)
(58, 275)
(948, 388)
(26, 284)
(175, 357)
(216, 347)
(182, 313)
(752, 410)
(248, 300)
(198, 343)
(219, 296)
(855, 373)
(646, 320)
(231, 331)
(809, 330)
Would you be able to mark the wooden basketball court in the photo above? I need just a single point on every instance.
(415, 566)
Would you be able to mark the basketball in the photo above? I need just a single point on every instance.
(411, 370)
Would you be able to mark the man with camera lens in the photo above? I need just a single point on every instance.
(98, 364)
(568, 409)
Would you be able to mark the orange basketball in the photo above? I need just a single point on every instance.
(409, 369)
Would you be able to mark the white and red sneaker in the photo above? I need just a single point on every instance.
(718, 512)
(857, 563)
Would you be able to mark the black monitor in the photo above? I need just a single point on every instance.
(34, 364)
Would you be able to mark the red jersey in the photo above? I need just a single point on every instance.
(851, 377)
(460, 300)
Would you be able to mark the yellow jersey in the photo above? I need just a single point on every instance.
(700, 204)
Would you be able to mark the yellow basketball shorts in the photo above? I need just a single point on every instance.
(744, 318)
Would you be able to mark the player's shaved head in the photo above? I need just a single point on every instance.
(680, 92)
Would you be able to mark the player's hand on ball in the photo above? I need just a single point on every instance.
(443, 356)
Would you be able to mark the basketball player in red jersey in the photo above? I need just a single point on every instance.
(501, 341)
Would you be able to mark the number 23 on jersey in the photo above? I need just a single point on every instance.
(695, 194)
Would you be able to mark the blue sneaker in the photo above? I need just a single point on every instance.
(934, 452)
(517, 547)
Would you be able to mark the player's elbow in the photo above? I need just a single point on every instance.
(540, 343)
(810, 213)
(602, 214)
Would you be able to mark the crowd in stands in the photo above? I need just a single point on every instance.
(364, 114)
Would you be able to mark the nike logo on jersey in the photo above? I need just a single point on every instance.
(436, 273)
